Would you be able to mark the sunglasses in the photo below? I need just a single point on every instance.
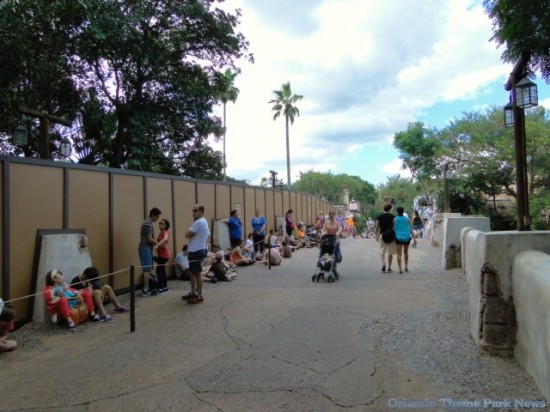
(195, 210)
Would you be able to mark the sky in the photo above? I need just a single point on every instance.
(366, 68)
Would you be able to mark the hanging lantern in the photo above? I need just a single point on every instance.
(526, 94)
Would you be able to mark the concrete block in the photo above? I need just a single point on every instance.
(68, 253)
(451, 237)
(531, 291)
(437, 230)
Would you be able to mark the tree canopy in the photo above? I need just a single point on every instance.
(142, 77)
(522, 26)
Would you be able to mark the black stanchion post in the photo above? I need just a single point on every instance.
(269, 252)
(132, 299)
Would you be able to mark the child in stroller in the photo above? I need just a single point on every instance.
(328, 259)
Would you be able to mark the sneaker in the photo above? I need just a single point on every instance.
(145, 292)
(72, 327)
(384, 269)
(189, 296)
(107, 318)
(97, 318)
(196, 300)
(160, 291)
(122, 309)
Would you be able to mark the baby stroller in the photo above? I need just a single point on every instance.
(327, 260)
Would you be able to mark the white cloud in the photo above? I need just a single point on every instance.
(366, 68)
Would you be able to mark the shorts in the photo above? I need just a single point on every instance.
(195, 261)
(388, 248)
(400, 242)
(146, 258)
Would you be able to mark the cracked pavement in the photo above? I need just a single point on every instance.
(272, 340)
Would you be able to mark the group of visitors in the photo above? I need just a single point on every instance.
(394, 234)
(84, 298)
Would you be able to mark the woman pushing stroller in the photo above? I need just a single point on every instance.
(329, 253)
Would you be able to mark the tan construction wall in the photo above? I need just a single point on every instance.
(110, 205)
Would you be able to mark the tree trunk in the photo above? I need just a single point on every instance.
(287, 152)
(224, 131)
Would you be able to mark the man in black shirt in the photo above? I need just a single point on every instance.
(386, 237)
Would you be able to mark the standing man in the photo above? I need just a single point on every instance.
(147, 243)
(198, 235)
(258, 234)
(386, 237)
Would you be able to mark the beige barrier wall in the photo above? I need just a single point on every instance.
(531, 284)
(488, 265)
(110, 205)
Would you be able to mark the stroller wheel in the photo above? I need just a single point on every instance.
(330, 279)
(313, 278)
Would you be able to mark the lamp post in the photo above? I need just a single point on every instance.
(524, 95)
(45, 119)
(273, 178)
(447, 175)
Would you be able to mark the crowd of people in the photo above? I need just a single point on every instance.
(86, 296)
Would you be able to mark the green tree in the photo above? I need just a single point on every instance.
(229, 93)
(35, 69)
(522, 26)
(154, 69)
(330, 186)
(419, 148)
(284, 103)
(402, 191)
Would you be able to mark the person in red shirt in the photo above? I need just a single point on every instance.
(58, 307)
(163, 254)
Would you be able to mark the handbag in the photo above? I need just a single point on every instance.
(79, 313)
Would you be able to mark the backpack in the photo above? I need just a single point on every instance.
(153, 283)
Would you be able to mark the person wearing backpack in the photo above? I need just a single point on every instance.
(385, 236)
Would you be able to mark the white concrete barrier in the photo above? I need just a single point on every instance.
(531, 286)
(488, 265)
(437, 228)
(452, 226)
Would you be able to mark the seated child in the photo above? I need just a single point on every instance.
(274, 257)
(287, 250)
(223, 271)
(238, 258)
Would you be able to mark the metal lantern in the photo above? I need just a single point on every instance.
(509, 115)
(20, 136)
(526, 94)
(66, 148)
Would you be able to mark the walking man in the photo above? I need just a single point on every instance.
(386, 237)
(198, 235)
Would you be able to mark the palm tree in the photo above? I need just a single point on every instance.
(284, 101)
(229, 93)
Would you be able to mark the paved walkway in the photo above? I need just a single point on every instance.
(272, 341)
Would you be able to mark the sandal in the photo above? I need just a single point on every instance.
(406, 269)
(190, 295)
(389, 271)
(384, 269)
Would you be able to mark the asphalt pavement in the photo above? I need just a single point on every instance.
(272, 340)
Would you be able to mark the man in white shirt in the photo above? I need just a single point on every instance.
(198, 235)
